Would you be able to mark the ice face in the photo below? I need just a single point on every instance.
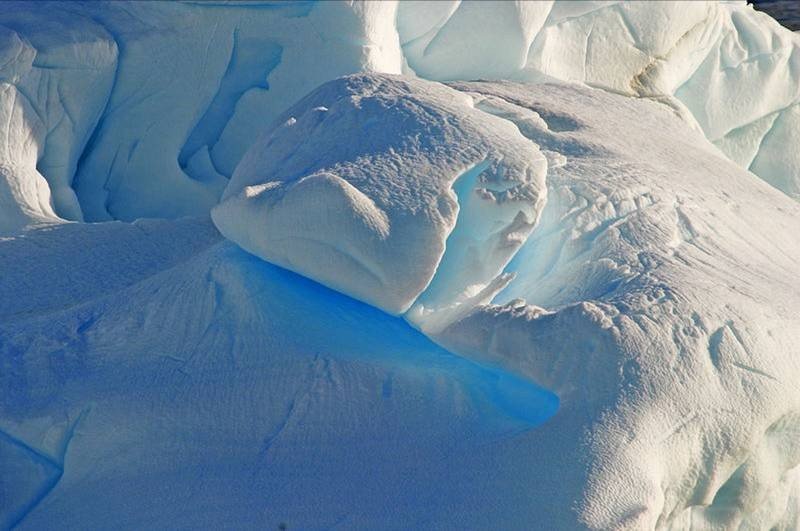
(729, 65)
(371, 217)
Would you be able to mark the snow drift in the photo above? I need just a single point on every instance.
(370, 217)
(654, 296)
(588, 227)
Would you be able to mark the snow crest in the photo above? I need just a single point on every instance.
(371, 217)
(145, 109)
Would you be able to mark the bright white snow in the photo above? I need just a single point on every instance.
(371, 216)
(145, 109)
(657, 296)
(597, 234)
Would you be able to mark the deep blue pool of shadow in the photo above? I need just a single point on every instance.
(369, 334)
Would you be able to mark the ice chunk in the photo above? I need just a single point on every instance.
(355, 189)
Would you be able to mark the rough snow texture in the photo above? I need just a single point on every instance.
(657, 295)
(735, 70)
(647, 280)
(145, 109)
(371, 217)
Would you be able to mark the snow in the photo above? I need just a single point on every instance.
(561, 301)
(371, 217)
(224, 391)
(654, 296)
(146, 109)
(658, 297)
(727, 64)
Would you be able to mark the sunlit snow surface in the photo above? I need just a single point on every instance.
(561, 305)
(657, 294)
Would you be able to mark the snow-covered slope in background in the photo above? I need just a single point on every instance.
(734, 69)
(145, 108)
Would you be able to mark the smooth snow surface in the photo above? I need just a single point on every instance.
(182, 383)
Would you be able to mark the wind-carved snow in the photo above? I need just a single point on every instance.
(596, 244)
(55, 76)
(650, 293)
(652, 298)
(371, 218)
(225, 390)
(146, 108)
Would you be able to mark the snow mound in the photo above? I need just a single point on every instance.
(649, 291)
(658, 297)
(370, 215)
(227, 392)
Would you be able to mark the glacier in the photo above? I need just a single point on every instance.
(455, 264)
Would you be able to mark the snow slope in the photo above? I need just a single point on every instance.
(657, 295)
(200, 387)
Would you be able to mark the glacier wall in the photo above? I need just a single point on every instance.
(145, 109)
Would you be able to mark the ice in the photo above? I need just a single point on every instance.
(55, 75)
(729, 65)
(590, 226)
(370, 216)
(487, 39)
(147, 108)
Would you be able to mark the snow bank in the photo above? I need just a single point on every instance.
(653, 295)
(227, 392)
(658, 297)
(369, 215)
(589, 241)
